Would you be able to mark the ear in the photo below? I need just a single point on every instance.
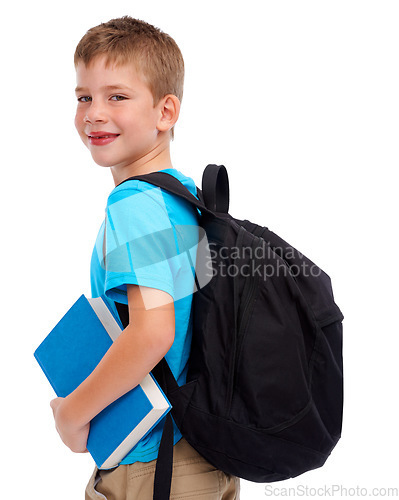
(169, 107)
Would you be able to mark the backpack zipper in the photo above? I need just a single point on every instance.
(241, 324)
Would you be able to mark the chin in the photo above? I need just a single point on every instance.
(103, 162)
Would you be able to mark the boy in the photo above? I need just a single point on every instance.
(129, 87)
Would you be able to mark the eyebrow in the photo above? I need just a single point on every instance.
(118, 86)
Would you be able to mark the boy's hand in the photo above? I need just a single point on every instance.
(72, 435)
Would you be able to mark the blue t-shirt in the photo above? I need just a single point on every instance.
(149, 237)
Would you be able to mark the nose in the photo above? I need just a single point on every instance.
(95, 113)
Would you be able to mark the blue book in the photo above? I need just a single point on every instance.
(70, 353)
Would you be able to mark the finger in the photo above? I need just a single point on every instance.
(54, 403)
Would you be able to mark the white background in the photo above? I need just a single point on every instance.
(299, 99)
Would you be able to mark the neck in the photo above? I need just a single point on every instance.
(157, 159)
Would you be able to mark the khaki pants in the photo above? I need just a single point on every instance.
(193, 477)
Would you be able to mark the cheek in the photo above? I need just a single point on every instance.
(79, 124)
(77, 121)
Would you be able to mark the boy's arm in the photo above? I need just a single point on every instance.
(141, 345)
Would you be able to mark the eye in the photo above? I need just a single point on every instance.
(84, 98)
(118, 98)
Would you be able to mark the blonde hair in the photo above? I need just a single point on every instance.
(125, 40)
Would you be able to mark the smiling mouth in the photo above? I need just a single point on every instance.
(102, 136)
(102, 139)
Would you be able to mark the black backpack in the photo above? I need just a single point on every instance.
(264, 394)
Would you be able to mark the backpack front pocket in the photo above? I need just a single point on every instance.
(275, 345)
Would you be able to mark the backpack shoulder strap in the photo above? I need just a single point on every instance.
(171, 184)
(214, 196)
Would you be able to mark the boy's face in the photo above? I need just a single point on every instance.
(115, 117)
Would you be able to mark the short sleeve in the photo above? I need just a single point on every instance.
(139, 242)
